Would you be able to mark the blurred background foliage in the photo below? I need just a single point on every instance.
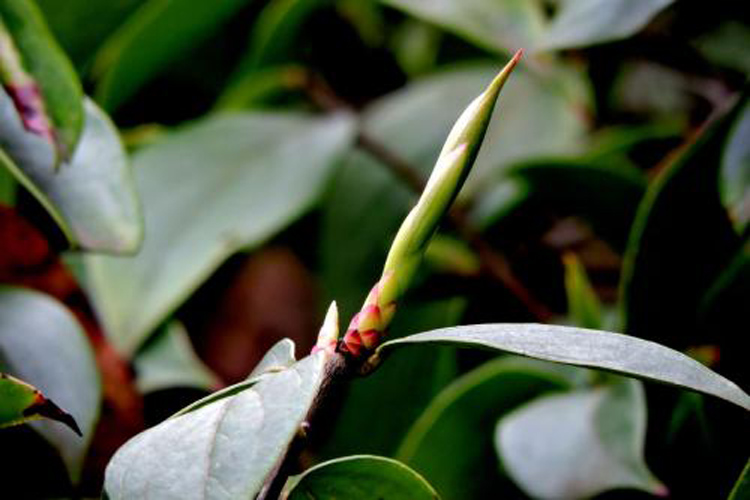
(276, 145)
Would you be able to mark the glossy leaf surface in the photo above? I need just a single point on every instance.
(92, 198)
(222, 450)
(578, 444)
(589, 348)
(364, 477)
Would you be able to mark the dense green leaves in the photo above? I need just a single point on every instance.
(510, 25)
(590, 348)
(156, 34)
(208, 190)
(364, 477)
(168, 360)
(452, 439)
(663, 248)
(39, 77)
(42, 343)
(92, 198)
(578, 444)
(226, 449)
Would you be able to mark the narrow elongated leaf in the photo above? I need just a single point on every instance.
(583, 304)
(741, 488)
(21, 403)
(92, 198)
(498, 26)
(39, 78)
(578, 444)
(159, 32)
(169, 360)
(42, 343)
(579, 23)
(662, 248)
(590, 348)
(734, 176)
(226, 183)
(226, 449)
(365, 477)
(452, 439)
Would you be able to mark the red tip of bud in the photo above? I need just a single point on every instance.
(370, 338)
(352, 343)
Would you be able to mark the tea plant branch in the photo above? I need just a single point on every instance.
(493, 264)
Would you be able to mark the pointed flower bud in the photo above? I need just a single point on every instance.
(328, 336)
(453, 165)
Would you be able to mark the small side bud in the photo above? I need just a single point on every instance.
(329, 333)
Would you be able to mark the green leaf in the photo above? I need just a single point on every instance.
(663, 249)
(101, 19)
(498, 26)
(583, 304)
(92, 198)
(580, 23)
(21, 402)
(734, 176)
(156, 34)
(31, 62)
(278, 358)
(208, 190)
(452, 439)
(722, 46)
(275, 31)
(365, 477)
(168, 360)
(42, 343)
(226, 449)
(741, 490)
(513, 24)
(590, 348)
(578, 444)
